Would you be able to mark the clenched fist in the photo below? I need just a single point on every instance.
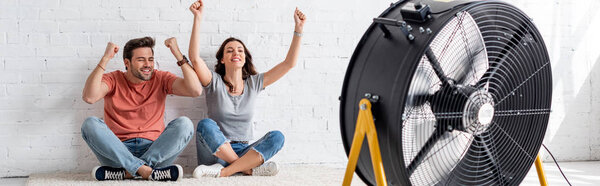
(171, 42)
(197, 7)
(299, 19)
(111, 50)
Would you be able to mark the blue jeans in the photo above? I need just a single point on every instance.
(131, 154)
(209, 138)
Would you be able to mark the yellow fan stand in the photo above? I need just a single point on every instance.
(365, 125)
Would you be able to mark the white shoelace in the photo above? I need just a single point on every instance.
(161, 174)
(113, 175)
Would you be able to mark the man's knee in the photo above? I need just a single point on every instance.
(183, 125)
(90, 125)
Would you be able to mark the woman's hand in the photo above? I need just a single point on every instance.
(299, 19)
(197, 7)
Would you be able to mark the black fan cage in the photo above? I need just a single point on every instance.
(464, 97)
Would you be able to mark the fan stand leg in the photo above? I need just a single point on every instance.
(540, 171)
(365, 126)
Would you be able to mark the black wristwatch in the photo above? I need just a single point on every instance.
(184, 60)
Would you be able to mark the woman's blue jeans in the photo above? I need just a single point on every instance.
(209, 138)
(133, 153)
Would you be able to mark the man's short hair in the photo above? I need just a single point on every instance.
(137, 43)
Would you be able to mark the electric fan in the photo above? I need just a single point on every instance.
(461, 93)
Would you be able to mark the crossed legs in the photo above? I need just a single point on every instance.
(210, 141)
(111, 152)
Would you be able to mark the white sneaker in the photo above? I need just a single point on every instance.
(208, 171)
(266, 169)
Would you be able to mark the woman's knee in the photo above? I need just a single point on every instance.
(206, 125)
(277, 138)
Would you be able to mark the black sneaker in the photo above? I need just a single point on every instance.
(102, 173)
(170, 173)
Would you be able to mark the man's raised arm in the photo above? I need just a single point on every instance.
(189, 85)
(95, 89)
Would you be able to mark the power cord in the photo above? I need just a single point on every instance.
(559, 169)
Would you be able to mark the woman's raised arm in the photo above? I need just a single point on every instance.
(292, 56)
(200, 67)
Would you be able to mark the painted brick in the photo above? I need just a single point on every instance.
(15, 51)
(3, 90)
(30, 76)
(95, 13)
(162, 4)
(99, 40)
(9, 103)
(119, 26)
(26, 90)
(29, 13)
(79, 40)
(29, 63)
(60, 14)
(40, 4)
(159, 27)
(79, 26)
(35, 39)
(119, 4)
(9, 77)
(8, 25)
(7, 12)
(62, 64)
(38, 26)
(137, 14)
(64, 77)
(78, 4)
(56, 52)
(175, 14)
(59, 39)
(2, 38)
(16, 38)
(8, 3)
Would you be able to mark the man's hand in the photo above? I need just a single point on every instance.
(299, 19)
(171, 42)
(197, 7)
(111, 50)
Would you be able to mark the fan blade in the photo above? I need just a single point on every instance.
(481, 159)
(420, 88)
(436, 66)
(475, 63)
(437, 134)
(459, 50)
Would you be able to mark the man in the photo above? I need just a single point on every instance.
(133, 140)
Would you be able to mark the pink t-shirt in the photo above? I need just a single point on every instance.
(136, 110)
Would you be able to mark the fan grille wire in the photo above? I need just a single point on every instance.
(515, 71)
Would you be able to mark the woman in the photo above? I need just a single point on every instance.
(231, 91)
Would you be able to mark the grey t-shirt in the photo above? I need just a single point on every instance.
(233, 113)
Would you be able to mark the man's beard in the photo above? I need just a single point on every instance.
(137, 74)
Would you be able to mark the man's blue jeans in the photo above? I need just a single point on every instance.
(209, 138)
(133, 153)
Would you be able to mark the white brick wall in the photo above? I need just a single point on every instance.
(47, 49)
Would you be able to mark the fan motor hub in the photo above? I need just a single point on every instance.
(485, 114)
(478, 112)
